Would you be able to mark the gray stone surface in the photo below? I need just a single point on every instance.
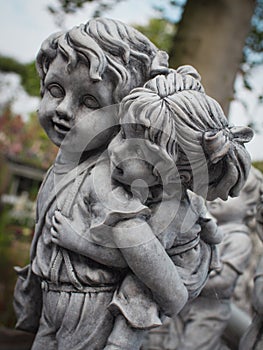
(253, 338)
(122, 234)
(212, 317)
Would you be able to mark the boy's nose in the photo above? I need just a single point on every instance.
(65, 110)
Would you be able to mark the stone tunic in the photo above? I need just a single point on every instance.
(98, 207)
(67, 310)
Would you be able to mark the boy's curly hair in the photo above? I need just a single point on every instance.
(105, 45)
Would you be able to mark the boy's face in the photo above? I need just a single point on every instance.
(70, 109)
(231, 210)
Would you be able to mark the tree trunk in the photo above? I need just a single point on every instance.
(211, 37)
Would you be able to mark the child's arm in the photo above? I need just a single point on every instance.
(149, 261)
(221, 284)
(65, 233)
(235, 253)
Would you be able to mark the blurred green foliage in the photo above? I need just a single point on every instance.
(160, 31)
(71, 6)
(14, 250)
(27, 72)
(258, 165)
(26, 141)
(253, 50)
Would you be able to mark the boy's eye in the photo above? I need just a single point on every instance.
(56, 90)
(90, 102)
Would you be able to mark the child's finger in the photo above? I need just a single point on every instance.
(58, 215)
(54, 240)
(54, 221)
(53, 232)
(57, 221)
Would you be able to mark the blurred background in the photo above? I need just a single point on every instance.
(223, 39)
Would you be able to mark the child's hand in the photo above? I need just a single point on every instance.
(62, 231)
(210, 232)
(56, 228)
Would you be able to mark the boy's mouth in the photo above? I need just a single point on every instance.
(61, 128)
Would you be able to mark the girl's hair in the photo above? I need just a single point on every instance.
(105, 45)
(191, 127)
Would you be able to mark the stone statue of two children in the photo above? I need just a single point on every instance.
(122, 237)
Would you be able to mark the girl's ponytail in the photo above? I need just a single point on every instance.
(218, 143)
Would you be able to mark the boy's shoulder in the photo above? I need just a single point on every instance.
(235, 229)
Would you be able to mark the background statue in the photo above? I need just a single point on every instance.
(202, 322)
(253, 338)
(119, 243)
(209, 314)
